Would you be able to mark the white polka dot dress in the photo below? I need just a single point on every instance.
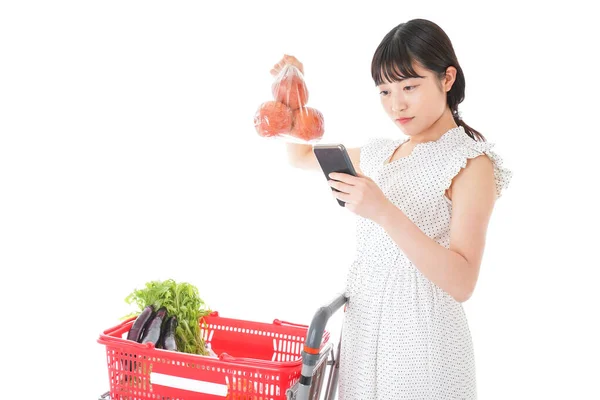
(403, 337)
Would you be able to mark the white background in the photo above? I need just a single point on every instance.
(128, 154)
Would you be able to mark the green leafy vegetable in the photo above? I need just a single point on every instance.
(182, 301)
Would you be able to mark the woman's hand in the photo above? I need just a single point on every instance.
(287, 59)
(361, 195)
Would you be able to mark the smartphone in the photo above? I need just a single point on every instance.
(334, 158)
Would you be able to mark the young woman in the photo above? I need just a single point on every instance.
(423, 205)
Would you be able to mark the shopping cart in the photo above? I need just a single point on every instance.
(257, 361)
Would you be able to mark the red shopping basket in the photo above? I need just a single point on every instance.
(257, 361)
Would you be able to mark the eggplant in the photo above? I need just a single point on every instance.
(152, 332)
(136, 331)
(135, 334)
(167, 339)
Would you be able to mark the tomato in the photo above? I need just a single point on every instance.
(290, 90)
(308, 124)
(273, 118)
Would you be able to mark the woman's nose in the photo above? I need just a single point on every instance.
(398, 104)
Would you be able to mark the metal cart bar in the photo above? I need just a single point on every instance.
(310, 354)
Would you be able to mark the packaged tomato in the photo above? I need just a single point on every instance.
(273, 118)
(286, 116)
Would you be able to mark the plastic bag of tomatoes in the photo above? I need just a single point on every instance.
(286, 116)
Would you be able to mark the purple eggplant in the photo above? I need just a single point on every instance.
(137, 330)
(152, 332)
(167, 339)
(135, 333)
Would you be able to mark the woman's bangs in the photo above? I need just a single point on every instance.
(392, 63)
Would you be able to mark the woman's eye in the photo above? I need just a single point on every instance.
(383, 92)
(409, 88)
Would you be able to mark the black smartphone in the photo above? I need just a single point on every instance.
(334, 158)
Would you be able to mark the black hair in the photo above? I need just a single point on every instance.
(425, 43)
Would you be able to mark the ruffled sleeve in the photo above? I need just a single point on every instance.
(472, 149)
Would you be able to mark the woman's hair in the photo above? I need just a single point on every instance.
(425, 43)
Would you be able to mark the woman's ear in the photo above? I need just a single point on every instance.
(449, 78)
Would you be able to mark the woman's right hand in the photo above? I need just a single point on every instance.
(287, 59)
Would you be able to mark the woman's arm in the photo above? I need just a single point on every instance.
(302, 156)
(454, 270)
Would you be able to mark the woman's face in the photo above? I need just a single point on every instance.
(415, 104)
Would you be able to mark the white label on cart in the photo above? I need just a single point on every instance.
(215, 389)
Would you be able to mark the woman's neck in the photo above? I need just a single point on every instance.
(437, 130)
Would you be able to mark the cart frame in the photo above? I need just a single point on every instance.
(314, 359)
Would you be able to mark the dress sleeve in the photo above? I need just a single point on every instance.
(472, 149)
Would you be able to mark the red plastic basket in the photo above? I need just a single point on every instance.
(257, 361)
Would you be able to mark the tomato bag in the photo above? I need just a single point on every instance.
(286, 116)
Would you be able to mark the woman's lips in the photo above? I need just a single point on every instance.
(404, 120)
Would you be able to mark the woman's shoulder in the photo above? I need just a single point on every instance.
(467, 148)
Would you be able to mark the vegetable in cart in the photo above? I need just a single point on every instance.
(154, 331)
(167, 340)
(182, 301)
(140, 324)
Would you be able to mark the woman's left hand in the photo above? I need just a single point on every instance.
(361, 195)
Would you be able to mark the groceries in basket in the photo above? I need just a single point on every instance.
(256, 360)
(287, 116)
(169, 317)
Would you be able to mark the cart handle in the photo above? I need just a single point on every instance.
(313, 342)
(257, 362)
(267, 363)
(119, 329)
(279, 322)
